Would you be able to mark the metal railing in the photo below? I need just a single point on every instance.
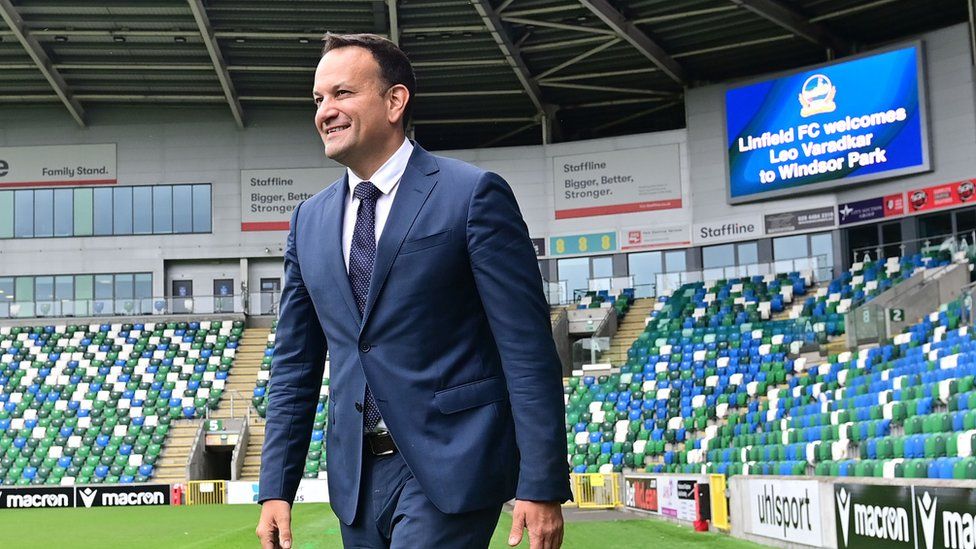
(596, 490)
(257, 303)
(952, 242)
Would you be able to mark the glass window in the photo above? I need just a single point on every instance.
(718, 256)
(23, 214)
(201, 208)
(162, 210)
(83, 294)
(83, 212)
(63, 215)
(103, 286)
(6, 295)
(44, 212)
(748, 253)
(143, 293)
(966, 224)
(122, 209)
(790, 247)
(45, 288)
(24, 288)
(602, 266)
(64, 287)
(675, 261)
(644, 267)
(575, 271)
(103, 211)
(935, 227)
(863, 239)
(124, 302)
(142, 210)
(6, 214)
(182, 209)
(822, 252)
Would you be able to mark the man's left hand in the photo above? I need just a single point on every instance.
(544, 520)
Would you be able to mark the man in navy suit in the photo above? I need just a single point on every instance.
(416, 272)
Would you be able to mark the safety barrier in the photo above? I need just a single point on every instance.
(206, 492)
(596, 490)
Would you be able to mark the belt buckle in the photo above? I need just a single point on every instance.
(373, 440)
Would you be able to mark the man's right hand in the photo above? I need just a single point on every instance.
(274, 526)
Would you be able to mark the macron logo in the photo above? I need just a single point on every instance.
(926, 511)
(844, 510)
(87, 496)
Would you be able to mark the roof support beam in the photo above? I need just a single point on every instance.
(206, 31)
(560, 26)
(636, 115)
(506, 135)
(643, 43)
(16, 24)
(639, 91)
(394, 21)
(579, 57)
(793, 21)
(511, 52)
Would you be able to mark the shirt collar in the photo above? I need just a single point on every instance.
(389, 173)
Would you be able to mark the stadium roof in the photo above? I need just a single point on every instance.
(488, 70)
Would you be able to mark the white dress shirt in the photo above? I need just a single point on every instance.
(386, 179)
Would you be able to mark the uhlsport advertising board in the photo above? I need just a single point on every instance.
(830, 126)
(909, 517)
(787, 510)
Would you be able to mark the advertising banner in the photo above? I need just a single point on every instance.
(871, 209)
(942, 196)
(268, 196)
(36, 497)
(676, 497)
(640, 494)
(129, 495)
(583, 243)
(830, 126)
(787, 510)
(615, 182)
(800, 220)
(310, 490)
(647, 238)
(728, 229)
(57, 165)
(916, 517)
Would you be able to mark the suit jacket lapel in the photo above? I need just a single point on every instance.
(332, 221)
(414, 188)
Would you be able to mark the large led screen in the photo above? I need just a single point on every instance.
(828, 127)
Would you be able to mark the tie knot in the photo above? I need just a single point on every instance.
(366, 191)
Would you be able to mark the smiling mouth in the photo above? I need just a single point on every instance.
(336, 129)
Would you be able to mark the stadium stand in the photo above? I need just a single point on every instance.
(716, 383)
(93, 404)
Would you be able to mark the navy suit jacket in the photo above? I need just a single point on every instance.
(455, 342)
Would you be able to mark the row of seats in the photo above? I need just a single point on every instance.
(94, 403)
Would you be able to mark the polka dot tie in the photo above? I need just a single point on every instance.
(362, 253)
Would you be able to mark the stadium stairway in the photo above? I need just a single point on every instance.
(629, 329)
(171, 466)
(252, 455)
(240, 380)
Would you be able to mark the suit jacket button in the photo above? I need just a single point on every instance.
(364, 347)
(359, 407)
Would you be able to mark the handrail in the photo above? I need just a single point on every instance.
(926, 241)
(141, 306)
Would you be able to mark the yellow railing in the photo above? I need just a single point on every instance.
(596, 490)
(205, 492)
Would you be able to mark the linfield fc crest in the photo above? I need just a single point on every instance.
(817, 96)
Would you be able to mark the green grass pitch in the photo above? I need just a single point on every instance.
(232, 526)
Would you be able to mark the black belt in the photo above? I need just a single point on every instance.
(380, 444)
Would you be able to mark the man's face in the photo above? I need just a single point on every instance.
(351, 112)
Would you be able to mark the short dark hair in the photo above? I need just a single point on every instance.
(395, 68)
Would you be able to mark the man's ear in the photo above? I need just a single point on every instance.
(397, 103)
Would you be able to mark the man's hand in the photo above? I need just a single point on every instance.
(274, 526)
(544, 519)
